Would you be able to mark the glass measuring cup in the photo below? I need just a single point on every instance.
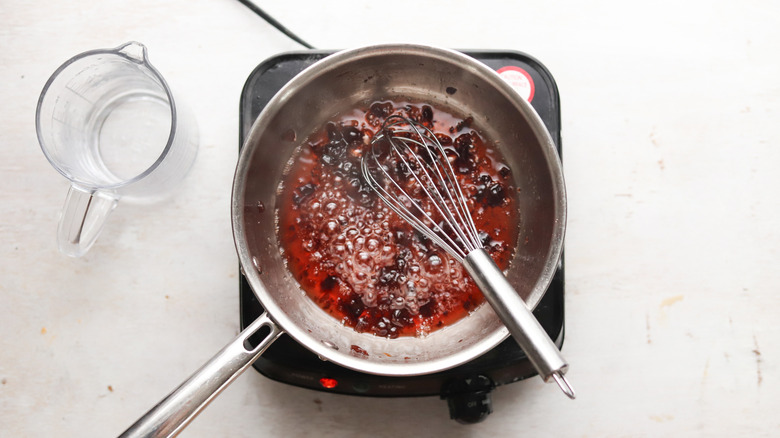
(107, 121)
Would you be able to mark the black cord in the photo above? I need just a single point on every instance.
(253, 7)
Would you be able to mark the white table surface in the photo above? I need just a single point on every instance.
(671, 136)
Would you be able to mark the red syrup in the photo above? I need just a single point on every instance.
(362, 263)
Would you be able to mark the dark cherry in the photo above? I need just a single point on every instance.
(302, 193)
(352, 134)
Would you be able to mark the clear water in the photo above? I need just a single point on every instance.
(132, 133)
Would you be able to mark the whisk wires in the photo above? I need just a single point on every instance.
(416, 150)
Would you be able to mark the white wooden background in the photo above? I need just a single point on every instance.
(671, 135)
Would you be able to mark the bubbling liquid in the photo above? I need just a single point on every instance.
(360, 261)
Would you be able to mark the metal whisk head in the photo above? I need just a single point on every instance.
(410, 171)
(408, 168)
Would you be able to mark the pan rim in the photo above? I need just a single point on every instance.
(256, 283)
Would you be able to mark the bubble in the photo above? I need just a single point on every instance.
(398, 303)
(330, 207)
(434, 260)
(409, 289)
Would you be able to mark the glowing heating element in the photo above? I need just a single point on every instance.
(328, 383)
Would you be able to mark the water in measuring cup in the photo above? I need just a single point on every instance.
(131, 133)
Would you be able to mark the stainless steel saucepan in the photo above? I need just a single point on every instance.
(332, 86)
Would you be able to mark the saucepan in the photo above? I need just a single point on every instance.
(333, 86)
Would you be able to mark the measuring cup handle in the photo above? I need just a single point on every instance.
(83, 215)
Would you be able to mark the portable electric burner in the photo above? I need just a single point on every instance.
(466, 387)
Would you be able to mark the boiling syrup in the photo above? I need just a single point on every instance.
(356, 258)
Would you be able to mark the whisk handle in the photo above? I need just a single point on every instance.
(517, 317)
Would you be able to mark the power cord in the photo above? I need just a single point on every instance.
(254, 8)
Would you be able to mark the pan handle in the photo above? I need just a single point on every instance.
(175, 411)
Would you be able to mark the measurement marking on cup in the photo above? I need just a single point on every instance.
(63, 122)
(79, 95)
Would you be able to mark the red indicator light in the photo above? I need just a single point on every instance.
(328, 383)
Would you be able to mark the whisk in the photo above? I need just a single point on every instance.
(427, 172)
